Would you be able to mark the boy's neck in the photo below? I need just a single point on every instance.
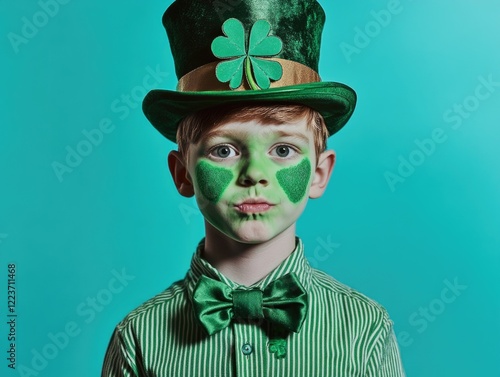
(246, 264)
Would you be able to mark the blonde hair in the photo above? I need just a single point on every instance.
(192, 128)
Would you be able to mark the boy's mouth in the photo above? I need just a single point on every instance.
(253, 205)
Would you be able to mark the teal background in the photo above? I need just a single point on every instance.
(118, 209)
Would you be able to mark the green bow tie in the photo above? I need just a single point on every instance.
(283, 302)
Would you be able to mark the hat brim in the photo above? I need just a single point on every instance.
(334, 101)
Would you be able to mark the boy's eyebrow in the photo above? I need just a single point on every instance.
(213, 133)
(294, 135)
(276, 133)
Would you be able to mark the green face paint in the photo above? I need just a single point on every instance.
(212, 180)
(294, 180)
(259, 166)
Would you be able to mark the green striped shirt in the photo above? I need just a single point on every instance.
(345, 334)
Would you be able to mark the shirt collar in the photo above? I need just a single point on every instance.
(295, 262)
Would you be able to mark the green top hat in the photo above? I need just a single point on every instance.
(246, 51)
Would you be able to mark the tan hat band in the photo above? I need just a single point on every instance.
(204, 79)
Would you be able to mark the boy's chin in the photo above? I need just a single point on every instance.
(253, 235)
(250, 233)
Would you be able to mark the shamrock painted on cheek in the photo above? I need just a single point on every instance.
(258, 72)
(212, 180)
(294, 180)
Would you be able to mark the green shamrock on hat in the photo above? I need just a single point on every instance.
(258, 72)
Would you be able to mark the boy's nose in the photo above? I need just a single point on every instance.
(252, 173)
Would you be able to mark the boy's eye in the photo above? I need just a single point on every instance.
(223, 151)
(283, 151)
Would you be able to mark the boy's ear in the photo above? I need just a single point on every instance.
(180, 175)
(322, 174)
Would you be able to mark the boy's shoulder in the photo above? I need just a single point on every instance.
(342, 294)
(170, 298)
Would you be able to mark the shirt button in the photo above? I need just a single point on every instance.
(246, 349)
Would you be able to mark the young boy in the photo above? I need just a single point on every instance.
(251, 305)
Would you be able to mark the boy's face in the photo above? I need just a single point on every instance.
(252, 181)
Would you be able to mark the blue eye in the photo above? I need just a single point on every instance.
(283, 151)
(223, 151)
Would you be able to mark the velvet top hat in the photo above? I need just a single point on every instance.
(246, 51)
